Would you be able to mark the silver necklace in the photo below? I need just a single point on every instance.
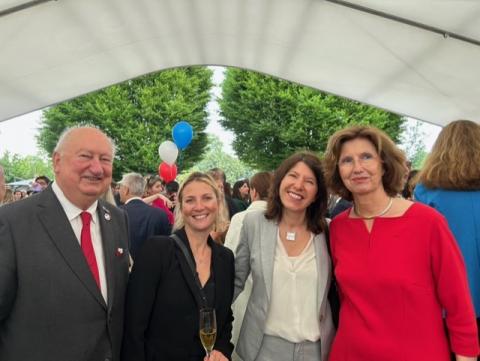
(291, 236)
(387, 208)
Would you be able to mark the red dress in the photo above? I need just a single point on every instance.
(159, 203)
(394, 282)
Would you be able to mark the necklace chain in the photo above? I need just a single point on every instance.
(387, 208)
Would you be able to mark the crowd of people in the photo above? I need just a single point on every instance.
(352, 257)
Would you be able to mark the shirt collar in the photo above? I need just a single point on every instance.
(71, 210)
(133, 198)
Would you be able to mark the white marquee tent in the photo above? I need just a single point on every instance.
(417, 58)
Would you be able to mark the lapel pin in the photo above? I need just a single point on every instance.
(107, 213)
(119, 252)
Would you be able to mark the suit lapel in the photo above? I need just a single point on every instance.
(268, 243)
(108, 241)
(58, 227)
(323, 267)
(185, 268)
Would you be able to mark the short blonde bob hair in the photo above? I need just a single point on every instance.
(204, 178)
(454, 162)
(393, 159)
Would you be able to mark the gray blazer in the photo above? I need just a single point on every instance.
(50, 306)
(255, 255)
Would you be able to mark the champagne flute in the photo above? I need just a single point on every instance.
(208, 329)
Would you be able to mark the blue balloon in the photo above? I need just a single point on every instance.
(182, 134)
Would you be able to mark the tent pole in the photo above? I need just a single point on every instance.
(446, 34)
(23, 6)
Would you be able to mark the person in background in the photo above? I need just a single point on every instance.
(144, 221)
(259, 187)
(288, 315)
(155, 197)
(8, 197)
(42, 181)
(64, 260)
(241, 194)
(163, 300)
(407, 191)
(172, 190)
(337, 205)
(227, 207)
(2, 185)
(450, 182)
(114, 188)
(220, 179)
(17, 195)
(397, 265)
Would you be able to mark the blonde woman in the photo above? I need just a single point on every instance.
(163, 300)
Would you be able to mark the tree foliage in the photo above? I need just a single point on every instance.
(139, 114)
(272, 118)
(413, 143)
(17, 167)
(215, 157)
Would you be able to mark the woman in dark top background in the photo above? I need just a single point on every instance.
(163, 301)
(241, 194)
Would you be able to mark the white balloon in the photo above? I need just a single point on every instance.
(168, 152)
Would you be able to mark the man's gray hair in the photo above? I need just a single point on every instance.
(67, 131)
(134, 182)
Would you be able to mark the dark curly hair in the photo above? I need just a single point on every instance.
(316, 211)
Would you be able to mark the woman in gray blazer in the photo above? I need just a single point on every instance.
(288, 316)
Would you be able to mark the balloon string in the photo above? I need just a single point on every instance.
(180, 162)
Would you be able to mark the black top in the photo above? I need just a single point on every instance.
(198, 352)
(163, 302)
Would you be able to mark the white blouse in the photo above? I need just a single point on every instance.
(293, 313)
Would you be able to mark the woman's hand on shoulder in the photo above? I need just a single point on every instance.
(215, 356)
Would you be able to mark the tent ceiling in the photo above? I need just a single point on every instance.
(58, 50)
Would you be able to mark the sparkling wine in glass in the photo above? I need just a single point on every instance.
(208, 329)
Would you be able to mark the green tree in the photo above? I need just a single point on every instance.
(272, 118)
(139, 114)
(412, 142)
(17, 167)
(215, 157)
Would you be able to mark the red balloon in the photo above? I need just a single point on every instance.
(167, 172)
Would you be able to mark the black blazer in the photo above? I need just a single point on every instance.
(161, 317)
(144, 221)
(50, 306)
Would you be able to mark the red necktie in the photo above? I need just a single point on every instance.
(87, 246)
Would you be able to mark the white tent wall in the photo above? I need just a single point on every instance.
(61, 49)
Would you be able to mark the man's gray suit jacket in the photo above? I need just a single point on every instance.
(50, 306)
(255, 254)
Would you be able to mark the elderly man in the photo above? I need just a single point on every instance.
(2, 185)
(144, 221)
(64, 260)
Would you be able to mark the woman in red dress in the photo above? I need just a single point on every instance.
(400, 274)
(154, 196)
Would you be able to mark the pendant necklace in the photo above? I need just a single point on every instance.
(387, 208)
(291, 236)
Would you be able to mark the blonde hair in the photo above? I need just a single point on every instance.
(393, 159)
(221, 216)
(454, 162)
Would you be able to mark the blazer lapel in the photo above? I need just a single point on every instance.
(323, 268)
(268, 243)
(108, 241)
(185, 268)
(58, 227)
(219, 274)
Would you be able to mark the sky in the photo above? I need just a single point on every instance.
(17, 135)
